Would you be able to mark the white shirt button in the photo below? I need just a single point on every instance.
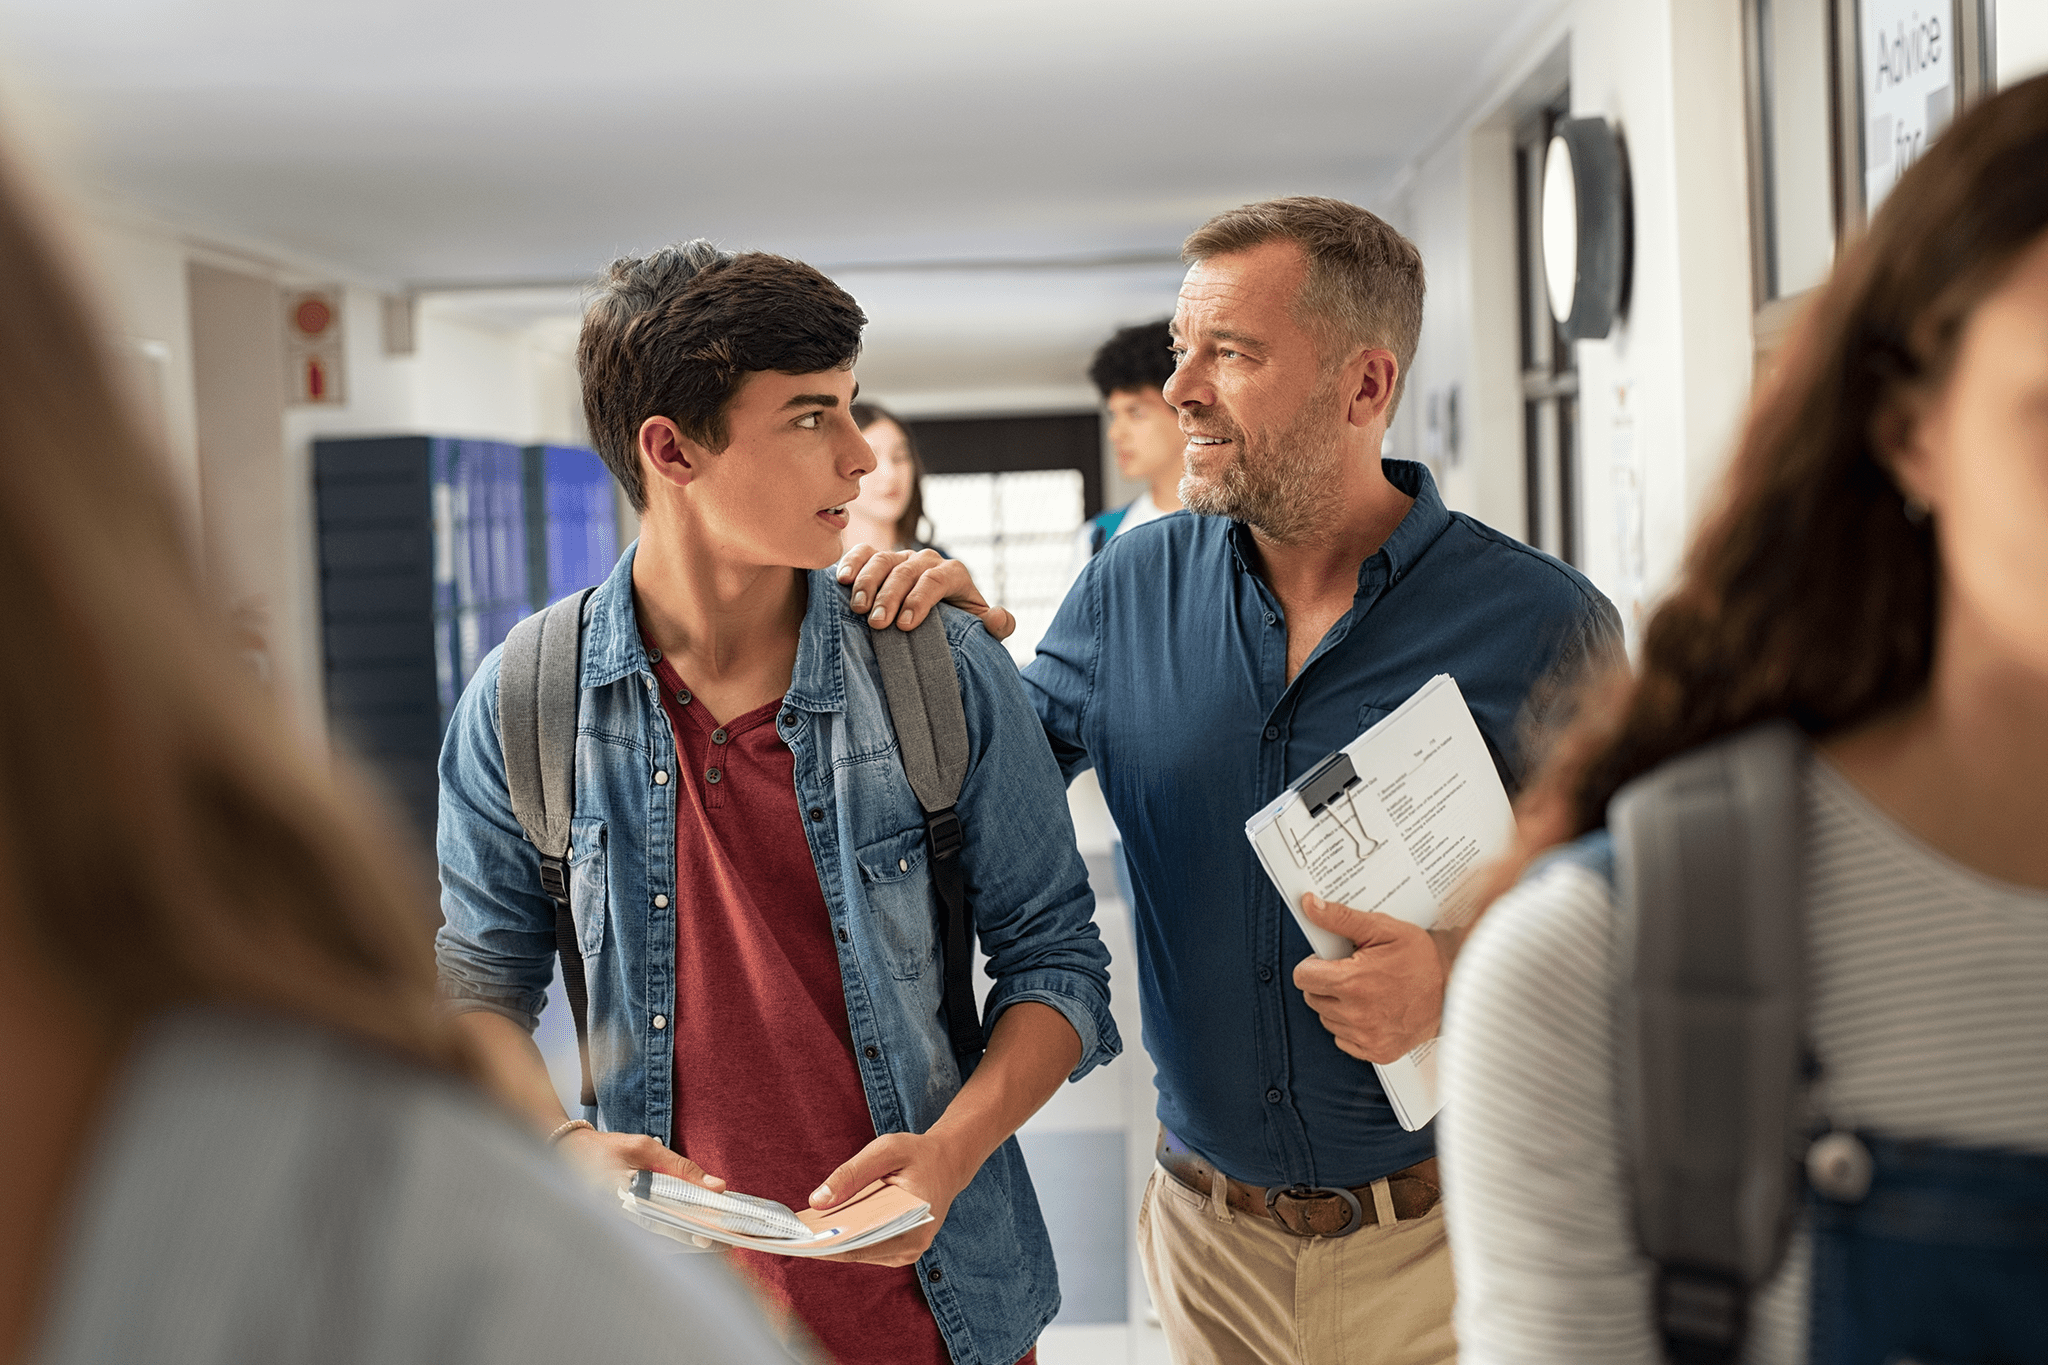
(661, 1021)
(661, 902)
(903, 864)
(661, 777)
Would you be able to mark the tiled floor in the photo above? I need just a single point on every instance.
(1090, 1150)
(1105, 1344)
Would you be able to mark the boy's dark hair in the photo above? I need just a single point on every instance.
(674, 334)
(1139, 357)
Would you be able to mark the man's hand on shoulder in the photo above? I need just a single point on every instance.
(1385, 998)
(903, 587)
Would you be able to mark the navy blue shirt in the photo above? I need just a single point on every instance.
(1166, 670)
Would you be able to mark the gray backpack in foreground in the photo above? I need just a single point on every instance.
(1708, 871)
(539, 686)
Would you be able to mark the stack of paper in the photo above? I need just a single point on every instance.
(690, 1213)
(1392, 822)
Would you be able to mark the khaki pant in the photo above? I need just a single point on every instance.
(1236, 1290)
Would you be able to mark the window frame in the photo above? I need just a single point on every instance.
(1973, 26)
(1547, 373)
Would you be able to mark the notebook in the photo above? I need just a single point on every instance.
(692, 1214)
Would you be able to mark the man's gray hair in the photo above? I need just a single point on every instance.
(1364, 283)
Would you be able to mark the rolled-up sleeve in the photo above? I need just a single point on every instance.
(1026, 881)
(495, 949)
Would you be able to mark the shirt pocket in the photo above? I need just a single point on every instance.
(900, 922)
(1370, 715)
(589, 890)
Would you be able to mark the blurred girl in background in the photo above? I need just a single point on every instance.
(889, 513)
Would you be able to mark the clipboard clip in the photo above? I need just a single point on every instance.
(1325, 782)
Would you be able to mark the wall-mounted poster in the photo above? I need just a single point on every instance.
(1907, 60)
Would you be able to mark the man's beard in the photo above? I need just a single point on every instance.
(1280, 483)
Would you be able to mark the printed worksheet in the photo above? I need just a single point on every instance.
(1392, 822)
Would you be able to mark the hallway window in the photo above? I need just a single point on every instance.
(1550, 375)
(1792, 182)
(1007, 495)
(1015, 532)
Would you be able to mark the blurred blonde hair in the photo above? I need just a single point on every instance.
(163, 838)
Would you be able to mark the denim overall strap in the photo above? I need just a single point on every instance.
(1943, 1262)
(1593, 851)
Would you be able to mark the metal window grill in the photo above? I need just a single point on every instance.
(1015, 531)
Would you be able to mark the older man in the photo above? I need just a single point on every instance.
(1200, 664)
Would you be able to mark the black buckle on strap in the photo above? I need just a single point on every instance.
(554, 879)
(1701, 1314)
(943, 828)
(1301, 1192)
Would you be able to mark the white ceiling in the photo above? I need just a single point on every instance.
(421, 142)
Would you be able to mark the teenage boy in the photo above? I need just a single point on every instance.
(1144, 432)
(748, 865)
(1144, 429)
(1291, 1218)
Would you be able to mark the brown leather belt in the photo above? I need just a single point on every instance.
(1312, 1211)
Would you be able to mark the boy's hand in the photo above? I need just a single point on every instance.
(904, 587)
(920, 1163)
(610, 1159)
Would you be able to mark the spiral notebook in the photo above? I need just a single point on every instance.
(690, 1213)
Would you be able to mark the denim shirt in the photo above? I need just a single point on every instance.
(989, 1275)
(1166, 670)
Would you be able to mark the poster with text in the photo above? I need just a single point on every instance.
(1907, 65)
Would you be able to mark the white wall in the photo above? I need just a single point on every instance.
(1457, 202)
(252, 552)
(506, 383)
(139, 279)
(470, 374)
(1661, 397)
(1459, 208)
(2022, 39)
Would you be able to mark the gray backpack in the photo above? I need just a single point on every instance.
(538, 692)
(1708, 871)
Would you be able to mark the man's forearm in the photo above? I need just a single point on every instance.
(1031, 1052)
(513, 1067)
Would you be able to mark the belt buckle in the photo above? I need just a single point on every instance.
(1315, 1192)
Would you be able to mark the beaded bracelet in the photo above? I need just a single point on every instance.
(571, 1126)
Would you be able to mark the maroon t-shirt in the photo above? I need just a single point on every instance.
(767, 1093)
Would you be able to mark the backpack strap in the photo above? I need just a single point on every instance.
(539, 686)
(923, 691)
(1708, 868)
